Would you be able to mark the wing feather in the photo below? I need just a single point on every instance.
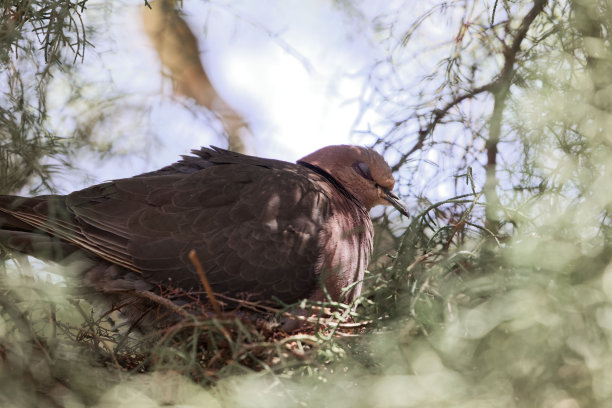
(251, 226)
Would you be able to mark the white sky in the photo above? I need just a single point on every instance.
(289, 67)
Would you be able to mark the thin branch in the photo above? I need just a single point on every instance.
(501, 89)
(438, 115)
(145, 294)
(211, 295)
(497, 86)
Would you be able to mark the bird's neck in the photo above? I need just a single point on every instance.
(334, 182)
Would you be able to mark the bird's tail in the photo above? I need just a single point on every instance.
(8, 204)
(17, 234)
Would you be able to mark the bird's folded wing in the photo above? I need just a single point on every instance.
(255, 229)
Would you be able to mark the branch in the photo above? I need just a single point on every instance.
(501, 90)
(510, 54)
(438, 115)
(496, 86)
(211, 295)
(160, 300)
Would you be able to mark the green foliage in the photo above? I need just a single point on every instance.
(43, 44)
(36, 37)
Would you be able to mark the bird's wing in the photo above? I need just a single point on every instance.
(255, 229)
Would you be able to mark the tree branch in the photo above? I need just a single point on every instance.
(501, 89)
(438, 115)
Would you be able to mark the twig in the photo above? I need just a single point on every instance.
(145, 294)
(493, 13)
(437, 116)
(211, 295)
(495, 87)
(501, 91)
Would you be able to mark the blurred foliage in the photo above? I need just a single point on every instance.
(499, 296)
(36, 37)
(52, 112)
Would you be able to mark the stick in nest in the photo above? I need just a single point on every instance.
(211, 295)
(160, 300)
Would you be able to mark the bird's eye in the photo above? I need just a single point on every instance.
(363, 170)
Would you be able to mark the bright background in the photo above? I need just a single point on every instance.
(294, 70)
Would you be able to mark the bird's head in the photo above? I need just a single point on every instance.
(361, 171)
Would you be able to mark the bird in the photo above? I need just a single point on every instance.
(263, 230)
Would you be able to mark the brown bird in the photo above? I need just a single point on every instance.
(264, 230)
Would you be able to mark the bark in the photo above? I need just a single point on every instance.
(178, 51)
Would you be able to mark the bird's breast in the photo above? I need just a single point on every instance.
(347, 254)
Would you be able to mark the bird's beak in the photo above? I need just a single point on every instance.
(395, 201)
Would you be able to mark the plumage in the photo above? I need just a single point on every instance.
(263, 229)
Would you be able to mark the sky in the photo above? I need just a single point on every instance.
(295, 70)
